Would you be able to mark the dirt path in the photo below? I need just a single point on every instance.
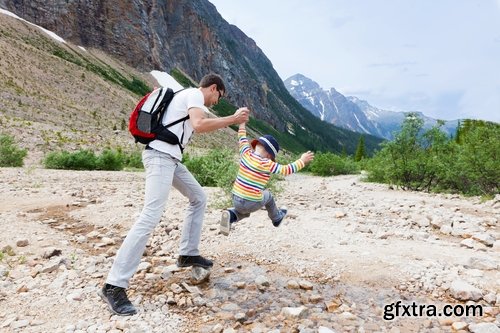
(347, 250)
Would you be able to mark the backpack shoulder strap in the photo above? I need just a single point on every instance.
(178, 121)
(183, 118)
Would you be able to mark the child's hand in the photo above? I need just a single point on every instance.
(307, 157)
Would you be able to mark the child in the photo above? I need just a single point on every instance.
(256, 167)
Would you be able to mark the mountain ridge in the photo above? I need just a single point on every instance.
(191, 37)
(351, 112)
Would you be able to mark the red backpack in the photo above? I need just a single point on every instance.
(145, 122)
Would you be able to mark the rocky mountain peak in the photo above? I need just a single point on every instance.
(350, 112)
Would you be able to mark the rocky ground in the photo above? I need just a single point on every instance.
(347, 251)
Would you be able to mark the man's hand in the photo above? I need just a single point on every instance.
(241, 115)
(307, 157)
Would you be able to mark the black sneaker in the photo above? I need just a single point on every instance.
(186, 261)
(283, 215)
(117, 300)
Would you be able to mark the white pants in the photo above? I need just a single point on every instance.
(162, 172)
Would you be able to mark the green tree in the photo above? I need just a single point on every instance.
(360, 149)
(479, 156)
(412, 156)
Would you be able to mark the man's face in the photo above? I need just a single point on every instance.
(216, 95)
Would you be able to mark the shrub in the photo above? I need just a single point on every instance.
(216, 169)
(10, 154)
(329, 164)
(472, 165)
(428, 160)
(133, 159)
(80, 160)
(110, 160)
(412, 159)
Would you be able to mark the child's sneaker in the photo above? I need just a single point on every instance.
(225, 223)
(283, 211)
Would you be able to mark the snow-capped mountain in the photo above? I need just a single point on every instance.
(351, 112)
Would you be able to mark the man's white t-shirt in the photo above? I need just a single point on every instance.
(178, 109)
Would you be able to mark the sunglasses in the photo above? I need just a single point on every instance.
(220, 95)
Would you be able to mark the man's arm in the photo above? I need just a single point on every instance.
(202, 124)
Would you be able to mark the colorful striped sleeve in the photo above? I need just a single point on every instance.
(244, 146)
(287, 169)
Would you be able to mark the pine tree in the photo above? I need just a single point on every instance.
(360, 150)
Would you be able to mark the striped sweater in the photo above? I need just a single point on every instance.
(254, 171)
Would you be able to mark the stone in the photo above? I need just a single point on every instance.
(293, 313)
(51, 252)
(22, 242)
(483, 263)
(199, 275)
(468, 243)
(240, 317)
(144, 266)
(306, 285)
(459, 325)
(463, 291)
(192, 289)
(484, 328)
(262, 281)
(218, 328)
(484, 238)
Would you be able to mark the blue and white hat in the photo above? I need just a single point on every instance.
(270, 145)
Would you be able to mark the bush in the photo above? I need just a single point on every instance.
(428, 160)
(133, 159)
(110, 160)
(472, 165)
(413, 159)
(80, 160)
(329, 164)
(216, 169)
(10, 154)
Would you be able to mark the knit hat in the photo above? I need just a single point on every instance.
(269, 143)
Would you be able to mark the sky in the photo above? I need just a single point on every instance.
(440, 57)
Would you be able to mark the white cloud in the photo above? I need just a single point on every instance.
(434, 57)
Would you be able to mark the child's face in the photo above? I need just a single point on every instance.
(259, 149)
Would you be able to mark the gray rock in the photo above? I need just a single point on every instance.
(22, 242)
(484, 238)
(463, 291)
(484, 328)
(298, 312)
(306, 285)
(217, 328)
(483, 263)
(199, 275)
(51, 252)
(262, 282)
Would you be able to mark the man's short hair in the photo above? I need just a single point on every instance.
(210, 79)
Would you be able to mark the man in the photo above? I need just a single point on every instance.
(162, 162)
